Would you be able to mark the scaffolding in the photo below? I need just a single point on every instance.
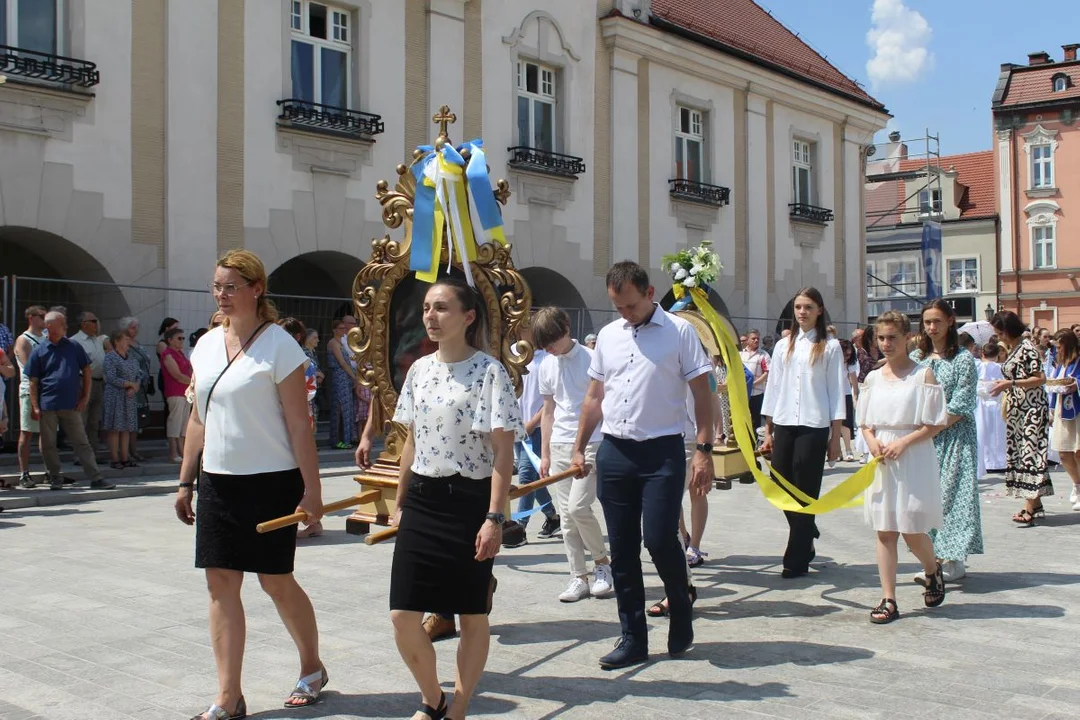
(895, 171)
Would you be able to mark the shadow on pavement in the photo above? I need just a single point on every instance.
(382, 705)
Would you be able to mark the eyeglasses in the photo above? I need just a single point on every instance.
(226, 289)
(95, 321)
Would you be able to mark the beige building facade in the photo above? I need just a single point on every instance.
(182, 128)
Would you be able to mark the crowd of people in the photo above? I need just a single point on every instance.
(634, 413)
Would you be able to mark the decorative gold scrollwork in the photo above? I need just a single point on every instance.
(506, 295)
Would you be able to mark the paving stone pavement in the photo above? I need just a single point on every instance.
(103, 615)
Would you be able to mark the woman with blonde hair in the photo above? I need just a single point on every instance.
(250, 420)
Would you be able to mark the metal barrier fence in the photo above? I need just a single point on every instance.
(193, 308)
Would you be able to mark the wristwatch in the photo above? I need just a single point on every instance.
(705, 448)
(497, 518)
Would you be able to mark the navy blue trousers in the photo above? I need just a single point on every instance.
(640, 485)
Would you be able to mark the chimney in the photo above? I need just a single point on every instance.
(1070, 51)
(1039, 58)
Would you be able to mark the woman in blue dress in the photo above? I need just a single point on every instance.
(119, 414)
(938, 346)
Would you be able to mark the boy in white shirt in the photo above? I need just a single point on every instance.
(564, 379)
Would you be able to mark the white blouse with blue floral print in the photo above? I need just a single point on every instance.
(453, 407)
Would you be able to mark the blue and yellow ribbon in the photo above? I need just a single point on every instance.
(451, 193)
(774, 486)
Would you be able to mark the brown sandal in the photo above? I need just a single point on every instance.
(935, 588)
(883, 614)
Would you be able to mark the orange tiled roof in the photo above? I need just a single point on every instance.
(746, 27)
(1035, 84)
(975, 171)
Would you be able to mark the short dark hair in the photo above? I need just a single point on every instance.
(966, 341)
(991, 350)
(170, 334)
(1009, 323)
(293, 326)
(630, 272)
(166, 324)
(549, 325)
(753, 331)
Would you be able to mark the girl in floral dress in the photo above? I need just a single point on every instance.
(938, 347)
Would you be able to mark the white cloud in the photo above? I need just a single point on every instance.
(899, 40)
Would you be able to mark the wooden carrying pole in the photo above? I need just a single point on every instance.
(299, 517)
(515, 492)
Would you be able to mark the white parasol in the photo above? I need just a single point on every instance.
(979, 330)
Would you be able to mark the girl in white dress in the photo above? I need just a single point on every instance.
(989, 423)
(900, 409)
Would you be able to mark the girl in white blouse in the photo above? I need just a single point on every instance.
(804, 408)
(901, 408)
(463, 419)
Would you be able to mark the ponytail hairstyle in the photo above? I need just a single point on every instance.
(251, 268)
(476, 332)
(925, 345)
(821, 326)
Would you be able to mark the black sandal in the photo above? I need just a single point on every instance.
(1027, 517)
(435, 713)
(935, 588)
(659, 609)
(216, 712)
(882, 614)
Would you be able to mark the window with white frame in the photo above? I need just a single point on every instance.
(32, 25)
(1042, 166)
(963, 275)
(903, 277)
(689, 144)
(802, 172)
(536, 105)
(930, 201)
(1061, 83)
(1042, 246)
(321, 53)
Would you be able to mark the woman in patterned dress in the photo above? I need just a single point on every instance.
(342, 391)
(463, 419)
(938, 347)
(119, 414)
(1026, 419)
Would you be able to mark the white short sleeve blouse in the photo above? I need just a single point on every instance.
(453, 408)
(245, 431)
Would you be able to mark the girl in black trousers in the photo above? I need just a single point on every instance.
(804, 408)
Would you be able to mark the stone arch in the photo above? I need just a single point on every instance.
(551, 288)
(542, 18)
(53, 270)
(315, 287)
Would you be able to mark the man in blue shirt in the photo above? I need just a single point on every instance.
(59, 373)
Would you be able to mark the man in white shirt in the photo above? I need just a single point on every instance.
(95, 346)
(640, 370)
(757, 361)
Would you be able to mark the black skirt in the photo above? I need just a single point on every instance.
(435, 567)
(228, 509)
(849, 418)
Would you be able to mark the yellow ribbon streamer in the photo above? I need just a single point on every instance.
(776, 489)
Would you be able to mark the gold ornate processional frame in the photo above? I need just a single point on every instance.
(507, 302)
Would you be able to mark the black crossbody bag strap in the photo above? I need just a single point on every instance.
(243, 349)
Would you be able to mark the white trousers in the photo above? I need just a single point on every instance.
(575, 498)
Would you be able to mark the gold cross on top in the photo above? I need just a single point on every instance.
(443, 118)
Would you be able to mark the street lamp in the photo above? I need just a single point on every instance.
(989, 312)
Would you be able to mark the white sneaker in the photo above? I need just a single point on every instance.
(1074, 496)
(1076, 506)
(603, 583)
(578, 589)
(953, 570)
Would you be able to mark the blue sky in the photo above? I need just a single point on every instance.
(933, 63)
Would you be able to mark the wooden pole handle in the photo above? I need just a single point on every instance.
(299, 517)
(383, 535)
(377, 537)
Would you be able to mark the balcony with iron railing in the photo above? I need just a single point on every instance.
(328, 120)
(33, 67)
(810, 213)
(699, 192)
(545, 161)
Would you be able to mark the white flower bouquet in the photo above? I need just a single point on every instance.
(694, 267)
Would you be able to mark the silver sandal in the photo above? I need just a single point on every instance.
(216, 712)
(304, 691)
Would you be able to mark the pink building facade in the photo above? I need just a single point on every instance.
(1036, 109)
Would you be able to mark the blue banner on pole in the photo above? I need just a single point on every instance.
(931, 258)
